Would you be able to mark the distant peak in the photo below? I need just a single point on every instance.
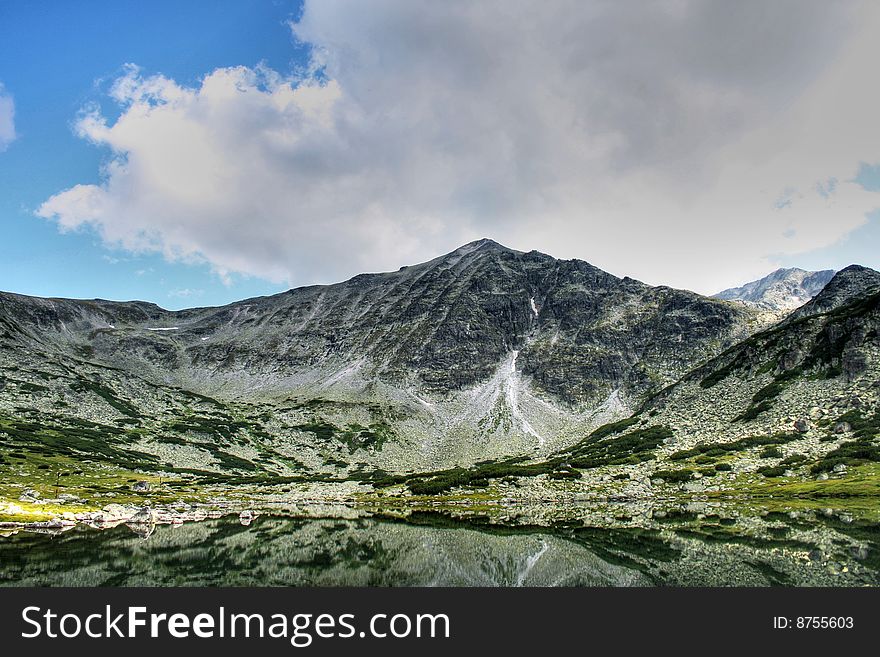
(782, 290)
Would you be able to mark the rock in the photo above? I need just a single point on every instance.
(802, 425)
(29, 495)
(144, 515)
(114, 513)
(840, 468)
(57, 523)
(859, 552)
(823, 477)
(842, 427)
(141, 487)
(246, 517)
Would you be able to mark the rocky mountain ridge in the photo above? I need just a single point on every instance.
(482, 352)
(485, 353)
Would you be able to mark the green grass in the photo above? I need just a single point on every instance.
(860, 482)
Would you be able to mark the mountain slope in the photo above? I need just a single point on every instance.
(813, 380)
(481, 353)
(787, 411)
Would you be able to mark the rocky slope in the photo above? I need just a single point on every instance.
(482, 353)
(793, 410)
(799, 399)
(781, 291)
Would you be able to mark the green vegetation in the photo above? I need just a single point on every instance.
(720, 449)
(85, 385)
(859, 482)
(354, 436)
(794, 459)
(673, 476)
(633, 447)
(753, 411)
(600, 448)
(772, 471)
(864, 449)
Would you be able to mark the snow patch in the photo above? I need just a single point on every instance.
(534, 307)
(531, 560)
(510, 384)
(163, 328)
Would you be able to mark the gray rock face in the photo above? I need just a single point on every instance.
(783, 290)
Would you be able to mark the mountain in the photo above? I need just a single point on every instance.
(781, 291)
(792, 411)
(484, 352)
(810, 383)
(847, 284)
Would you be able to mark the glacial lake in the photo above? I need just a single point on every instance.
(684, 547)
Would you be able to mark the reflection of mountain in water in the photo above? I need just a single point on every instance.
(368, 552)
(283, 551)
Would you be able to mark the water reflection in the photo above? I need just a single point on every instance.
(678, 547)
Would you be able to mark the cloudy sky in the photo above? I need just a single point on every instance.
(193, 153)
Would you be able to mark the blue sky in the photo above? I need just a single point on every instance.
(57, 57)
(257, 145)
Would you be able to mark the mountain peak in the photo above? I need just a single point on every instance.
(484, 243)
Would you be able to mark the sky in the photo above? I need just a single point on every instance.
(191, 153)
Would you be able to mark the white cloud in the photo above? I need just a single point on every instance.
(685, 142)
(7, 118)
(185, 293)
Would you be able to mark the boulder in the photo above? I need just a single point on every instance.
(29, 495)
(802, 425)
(141, 487)
(144, 515)
(114, 513)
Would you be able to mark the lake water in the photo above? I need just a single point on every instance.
(821, 547)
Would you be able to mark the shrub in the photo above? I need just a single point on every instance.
(673, 476)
